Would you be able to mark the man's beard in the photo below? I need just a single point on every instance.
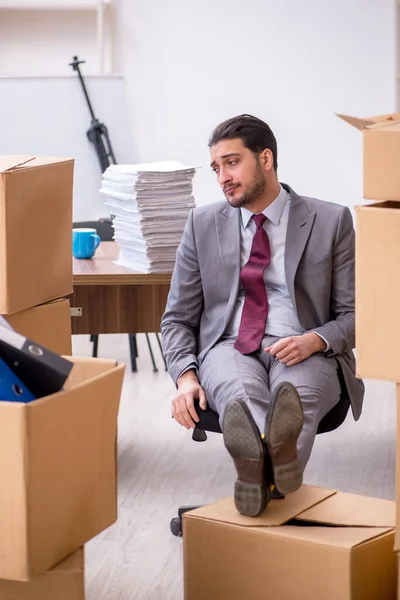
(252, 193)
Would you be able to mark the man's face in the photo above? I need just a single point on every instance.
(238, 171)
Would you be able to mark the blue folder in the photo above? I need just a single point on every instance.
(11, 387)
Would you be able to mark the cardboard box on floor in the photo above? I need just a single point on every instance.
(314, 544)
(381, 140)
(398, 576)
(378, 290)
(48, 324)
(35, 231)
(397, 539)
(65, 581)
(58, 469)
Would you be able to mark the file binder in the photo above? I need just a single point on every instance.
(42, 371)
(11, 387)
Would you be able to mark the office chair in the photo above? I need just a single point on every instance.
(106, 234)
(209, 422)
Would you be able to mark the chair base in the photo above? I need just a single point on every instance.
(176, 524)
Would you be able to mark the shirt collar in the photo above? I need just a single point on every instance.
(273, 212)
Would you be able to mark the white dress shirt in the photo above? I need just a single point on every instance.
(282, 319)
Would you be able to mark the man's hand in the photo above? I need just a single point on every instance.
(183, 409)
(296, 348)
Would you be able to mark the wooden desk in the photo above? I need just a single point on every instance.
(113, 299)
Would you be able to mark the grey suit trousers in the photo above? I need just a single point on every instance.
(226, 374)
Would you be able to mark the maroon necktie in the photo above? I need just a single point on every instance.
(255, 309)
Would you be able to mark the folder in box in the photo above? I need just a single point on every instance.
(12, 389)
(43, 372)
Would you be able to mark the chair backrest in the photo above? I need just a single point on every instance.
(103, 227)
(335, 417)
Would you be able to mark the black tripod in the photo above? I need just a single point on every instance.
(97, 133)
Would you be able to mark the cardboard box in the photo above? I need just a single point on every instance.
(378, 291)
(398, 576)
(35, 231)
(397, 540)
(58, 469)
(314, 544)
(66, 581)
(48, 324)
(381, 140)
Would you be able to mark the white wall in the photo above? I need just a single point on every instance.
(48, 116)
(189, 65)
(42, 43)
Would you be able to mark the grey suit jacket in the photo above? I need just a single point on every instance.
(319, 265)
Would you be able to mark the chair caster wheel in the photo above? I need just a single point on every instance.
(176, 527)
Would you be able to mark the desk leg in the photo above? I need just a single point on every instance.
(155, 370)
(95, 339)
(133, 351)
(159, 345)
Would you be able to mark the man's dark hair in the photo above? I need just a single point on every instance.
(254, 133)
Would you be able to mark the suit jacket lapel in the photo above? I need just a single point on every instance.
(298, 231)
(227, 223)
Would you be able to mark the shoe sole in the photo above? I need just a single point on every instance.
(243, 442)
(283, 427)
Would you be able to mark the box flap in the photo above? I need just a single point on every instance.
(389, 205)
(277, 513)
(371, 122)
(8, 163)
(87, 368)
(391, 125)
(339, 537)
(41, 161)
(355, 121)
(351, 510)
(18, 161)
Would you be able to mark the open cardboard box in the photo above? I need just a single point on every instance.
(378, 290)
(381, 138)
(315, 544)
(58, 469)
(35, 230)
(66, 581)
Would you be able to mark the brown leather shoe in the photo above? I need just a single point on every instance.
(283, 426)
(243, 442)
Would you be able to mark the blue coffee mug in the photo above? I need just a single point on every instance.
(84, 242)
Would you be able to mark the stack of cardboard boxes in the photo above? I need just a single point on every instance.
(57, 454)
(378, 261)
(35, 248)
(318, 543)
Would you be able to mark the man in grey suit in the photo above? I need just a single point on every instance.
(259, 322)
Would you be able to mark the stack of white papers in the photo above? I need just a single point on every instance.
(149, 204)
